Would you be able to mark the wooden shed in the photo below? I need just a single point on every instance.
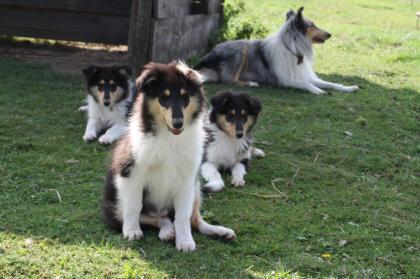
(154, 30)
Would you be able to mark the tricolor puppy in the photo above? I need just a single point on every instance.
(153, 177)
(110, 96)
(229, 139)
(284, 59)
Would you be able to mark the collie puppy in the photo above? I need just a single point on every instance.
(229, 139)
(153, 176)
(110, 96)
(284, 59)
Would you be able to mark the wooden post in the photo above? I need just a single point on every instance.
(139, 34)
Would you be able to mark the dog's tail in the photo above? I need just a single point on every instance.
(109, 203)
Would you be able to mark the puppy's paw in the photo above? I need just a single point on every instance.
(106, 139)
(257, 153)
(238, 182)
(133, 234)
(89, 136)
(353, 88)
(167, 231)
(214, 186)
(226, 233)
(185, 246)
(83, 108)
(253, 84)
(320, 92)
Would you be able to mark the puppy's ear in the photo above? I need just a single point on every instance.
(148, 80)
(90, 71)
(192, 76)
(299, 16)
(254, 105)
(290, 14)
(125, 71)
(219, 100)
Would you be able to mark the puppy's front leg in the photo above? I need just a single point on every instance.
(238, 173)
(91, 130)
(214, 180)
(130, 197)
(183, 205)
(113, 133)
(335, 86)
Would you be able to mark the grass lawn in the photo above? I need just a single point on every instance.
(338, 194)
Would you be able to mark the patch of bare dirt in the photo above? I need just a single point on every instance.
(63, 57)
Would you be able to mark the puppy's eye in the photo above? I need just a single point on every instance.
(100, 87)
(112, 87)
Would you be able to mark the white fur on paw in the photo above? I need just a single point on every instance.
(226, 233)
(133, 234)
(253, 84)
(83, 108)
(89, 135)
(320, 92)
(238, 181)
(214, 186)
(105, 139)
(257, 153)
(354, 88)
(167, 232)
(188, 246)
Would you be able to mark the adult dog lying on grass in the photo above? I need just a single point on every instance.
(284, 59)
(153, 177)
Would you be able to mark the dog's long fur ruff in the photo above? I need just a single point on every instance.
(110, 97)
(228, 145)
(284, 59)
(155, 165)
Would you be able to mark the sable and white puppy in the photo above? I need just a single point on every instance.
(229, 139)
(153, 177)
(284, 59)
(110, 96)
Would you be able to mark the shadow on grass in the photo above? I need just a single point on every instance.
(46, 157)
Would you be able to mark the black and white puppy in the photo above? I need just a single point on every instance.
(153, 178)
(229, 139)
(110, 96)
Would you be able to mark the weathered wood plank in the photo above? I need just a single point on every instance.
(171, 8)
(64, 25)
(139, 43)
(113, 7)
(180, 38)
(214, 6)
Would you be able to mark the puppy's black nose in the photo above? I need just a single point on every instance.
(239, 134)
(328, 35)
(106, 103)
(177, 123)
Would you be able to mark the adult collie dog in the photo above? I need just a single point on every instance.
(153, 176)
(229, 139)
(284, 59)
(110, 96)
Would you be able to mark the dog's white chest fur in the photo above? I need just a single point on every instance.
(224, 150)
(105, 115)
(166, 161)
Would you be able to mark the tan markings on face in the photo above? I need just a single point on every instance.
(102, 82)
(229, 128)
(233, 112)
(316, 35)
(248, 124)
(190, 110)
(99, 95)
(116, 95)
(183, 92)
(243, 112)
(111, 82)
(167, 93)
(160, 113)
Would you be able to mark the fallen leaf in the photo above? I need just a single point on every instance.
(326, 256)
(342, 242)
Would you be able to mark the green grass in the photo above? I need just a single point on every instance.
(316, 187)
